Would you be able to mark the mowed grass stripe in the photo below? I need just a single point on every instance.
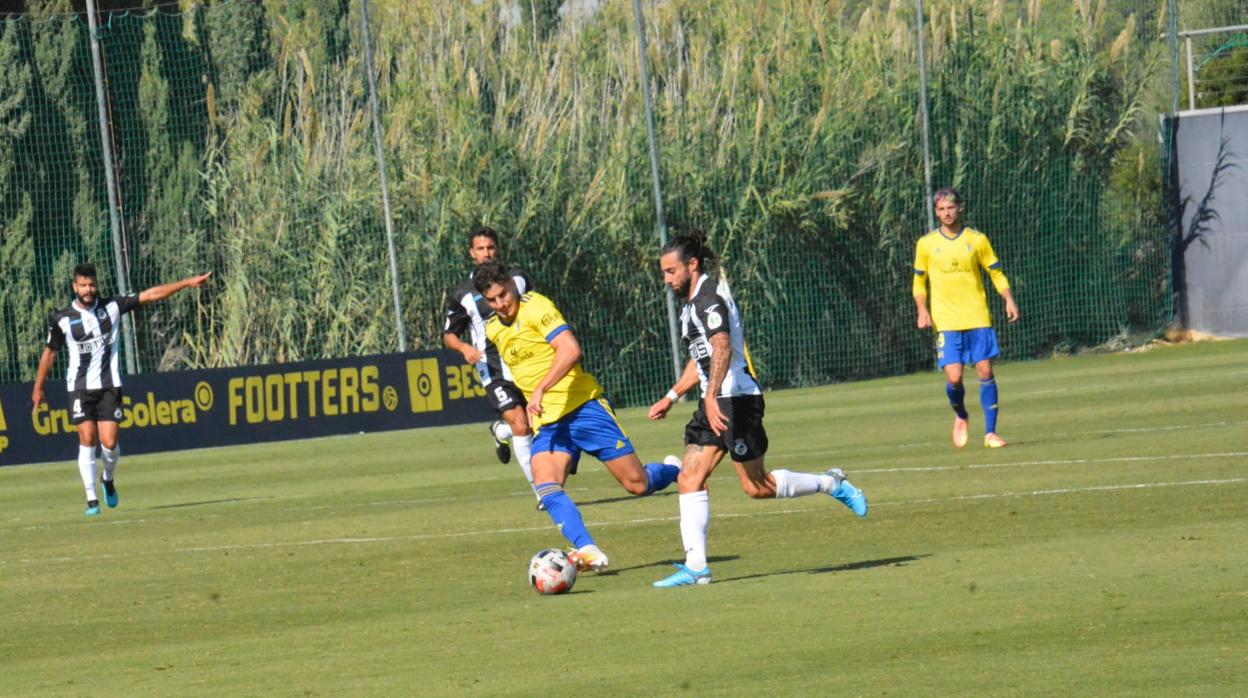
(784, 511)
(1099, 555)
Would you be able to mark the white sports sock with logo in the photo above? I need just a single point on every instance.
(86, 468)
(522, 446)
(502, 430)
(110, 458)
(791, 484)
(695, 515)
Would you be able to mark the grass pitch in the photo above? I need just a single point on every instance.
(1102, 553)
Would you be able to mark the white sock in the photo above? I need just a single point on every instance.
(86, 468)
(695, 515)
(522, 446)
(791, 484)
(110, 459)
(502, 430)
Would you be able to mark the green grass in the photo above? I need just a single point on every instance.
(1102, 553)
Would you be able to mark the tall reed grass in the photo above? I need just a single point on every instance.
(786, 130)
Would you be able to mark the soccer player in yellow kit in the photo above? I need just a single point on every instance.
(952, 260)
(565, 404)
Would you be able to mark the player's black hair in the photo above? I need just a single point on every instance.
(947, 193)
(86, 270)
(482, 231)
(692, 245)
(488, 274)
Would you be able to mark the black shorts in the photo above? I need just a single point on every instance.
(745, 438)
(95, 405)
(504, 395)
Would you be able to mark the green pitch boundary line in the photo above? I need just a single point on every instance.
(629, 522)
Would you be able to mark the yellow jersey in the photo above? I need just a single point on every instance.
(524, 346)
(954, 269)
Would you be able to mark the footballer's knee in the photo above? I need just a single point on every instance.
(88, 437)
(983, 369)
(690, 481)
(516, 419)
(757, 490)
(634, 486)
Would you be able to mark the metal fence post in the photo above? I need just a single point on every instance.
(110, 180)
(927, 147)
(1172, 9)
(1191, 76)
(381, 169)
(654, 175)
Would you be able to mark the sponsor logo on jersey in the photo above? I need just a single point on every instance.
(94, 344)
(699, 349)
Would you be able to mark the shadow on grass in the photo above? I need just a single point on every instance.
(626, 498)
(847, 567)
(667, 563)
(207, 502)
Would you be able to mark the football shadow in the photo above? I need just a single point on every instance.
(900, 561)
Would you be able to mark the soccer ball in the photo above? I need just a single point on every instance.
(551, 572)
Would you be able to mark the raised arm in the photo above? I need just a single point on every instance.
(159, 293)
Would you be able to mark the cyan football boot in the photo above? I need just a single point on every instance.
(110, 493)
(847, 494)
(684, 577)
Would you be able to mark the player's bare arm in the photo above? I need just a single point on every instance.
(721, 355)
(924, 318)
(567, 353)
(45, 365)
(159, 293)
(688, 379)
(1011, 308)
(470, 353)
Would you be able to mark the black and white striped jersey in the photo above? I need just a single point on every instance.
(710, 312)
(467, 311)
(91, 338)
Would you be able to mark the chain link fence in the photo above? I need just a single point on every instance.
(1213, 53)
(789, 132)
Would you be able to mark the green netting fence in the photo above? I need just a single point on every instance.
(1213, 54)
(788, 131)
